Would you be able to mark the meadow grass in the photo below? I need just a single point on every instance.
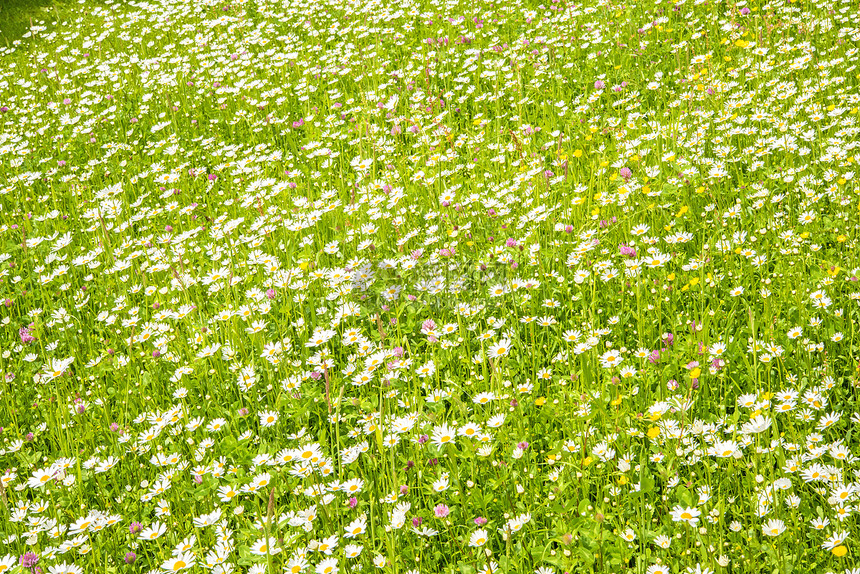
(16, 16)
(415, 287)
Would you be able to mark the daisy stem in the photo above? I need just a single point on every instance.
(270, 508)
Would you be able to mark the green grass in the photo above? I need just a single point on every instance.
(16, 16)
(465, 287)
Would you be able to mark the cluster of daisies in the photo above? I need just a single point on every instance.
(315, 287)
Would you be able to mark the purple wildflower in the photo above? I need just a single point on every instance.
(28, 560)
(25, 334)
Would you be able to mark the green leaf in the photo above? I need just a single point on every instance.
(685, 498)
(585, 555)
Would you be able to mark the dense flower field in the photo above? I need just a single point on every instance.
(430, 287)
